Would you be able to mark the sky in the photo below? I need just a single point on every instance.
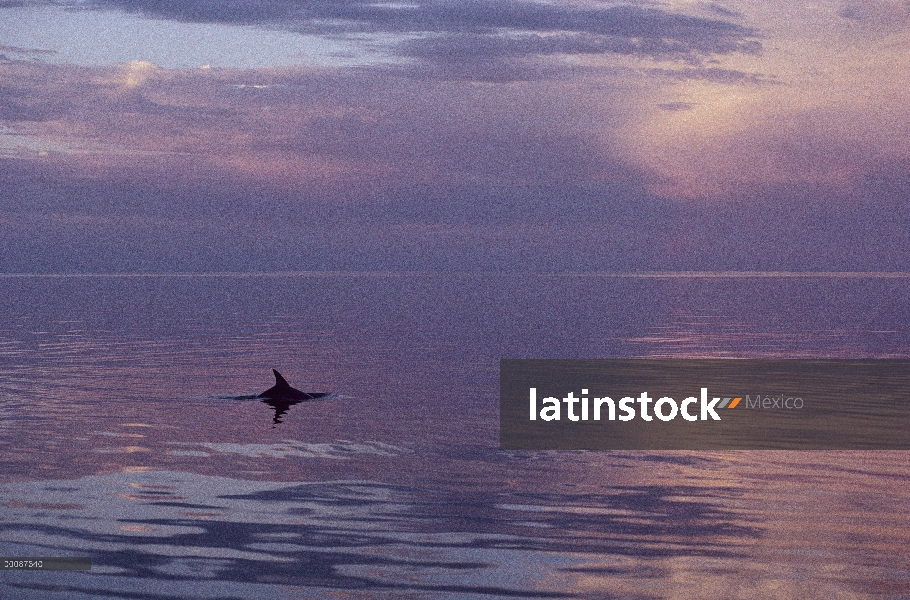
(454, 135)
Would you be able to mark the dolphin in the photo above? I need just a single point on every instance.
(282, 396)
(283, 392)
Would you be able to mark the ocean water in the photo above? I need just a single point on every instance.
(128, 435)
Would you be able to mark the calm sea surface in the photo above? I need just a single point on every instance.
(128, 435)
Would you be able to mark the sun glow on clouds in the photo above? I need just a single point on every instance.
(135, 73)
(834, 111)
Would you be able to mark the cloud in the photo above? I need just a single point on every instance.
(469, 46)
(721, 10)
(436, 16)
(310, 168)
(139, 224)
(22, 92)
(713, 75)
(283, 169)
(14, 54)
(878, 13)
(602, 123)
(674, 106)
(30, 52)
(821, 150)
(295, 125)
(17, 110)
(494, 35)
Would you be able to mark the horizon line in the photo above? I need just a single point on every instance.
(603, 274)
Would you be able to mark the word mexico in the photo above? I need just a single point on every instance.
(650, 404)
(665, 408)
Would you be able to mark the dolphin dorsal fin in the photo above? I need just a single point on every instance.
(279, 380)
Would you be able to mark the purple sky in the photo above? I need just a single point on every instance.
(150, 135)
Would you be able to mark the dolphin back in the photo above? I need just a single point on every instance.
(282, 391)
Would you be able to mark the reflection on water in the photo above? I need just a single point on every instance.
(291, 448)
(681, 525)
(129, 434)
(281, 406)
(157, 530)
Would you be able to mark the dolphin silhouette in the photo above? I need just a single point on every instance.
(282, 391)
(282, 397)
